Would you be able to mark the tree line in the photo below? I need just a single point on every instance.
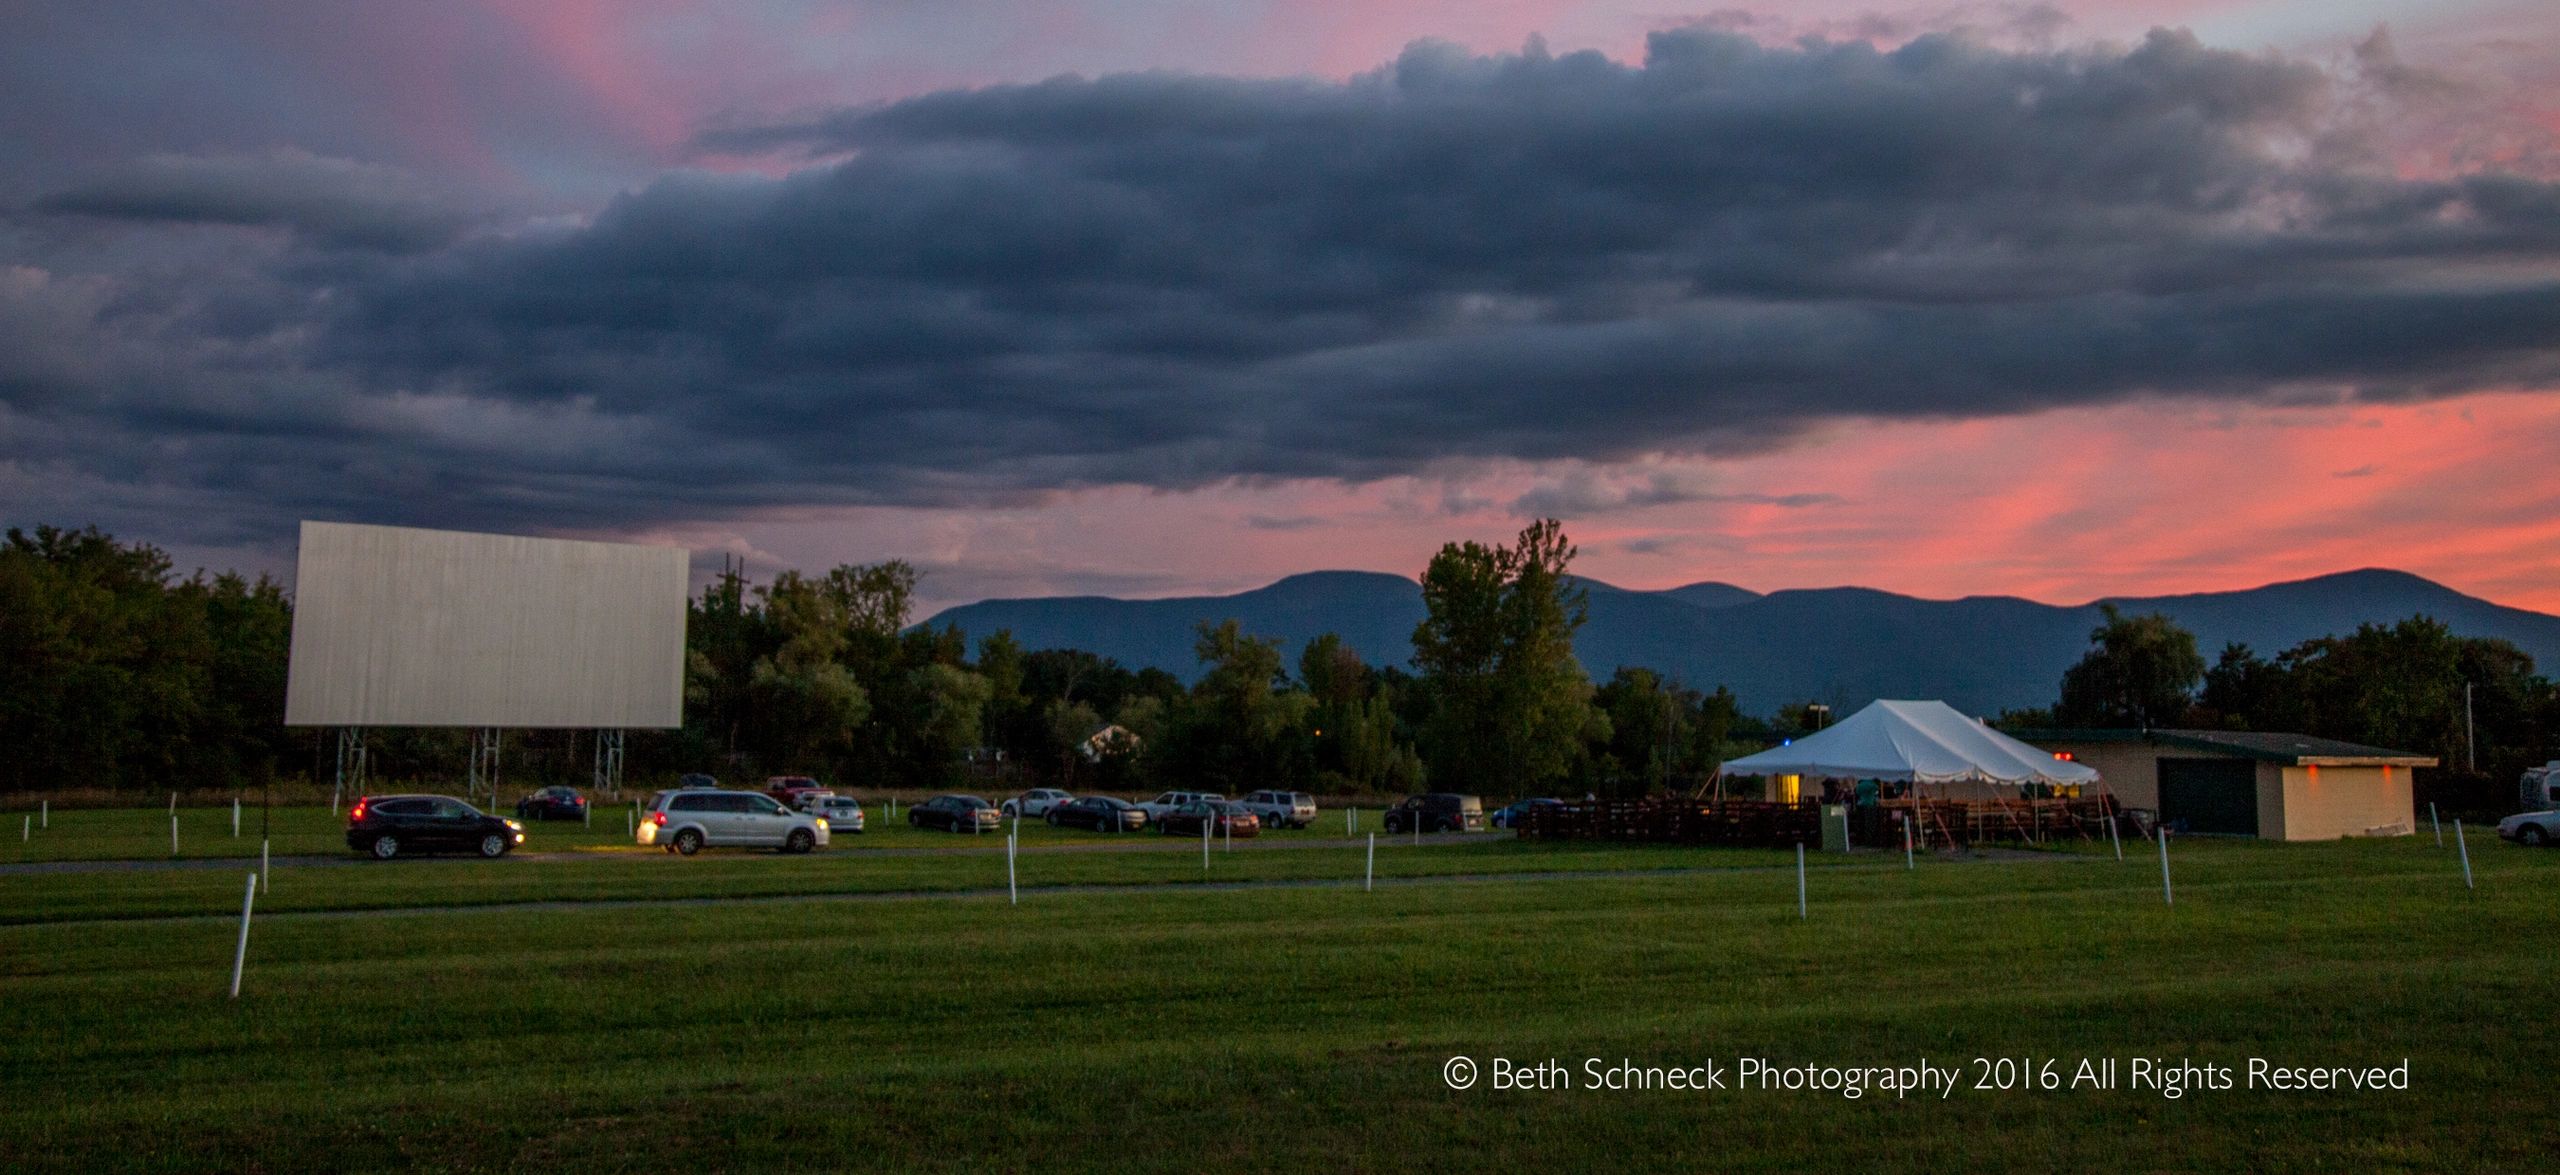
(2475, 703)
(122, 674)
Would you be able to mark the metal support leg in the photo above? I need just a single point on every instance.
(350, 779)
(484, 762)
(608, 776)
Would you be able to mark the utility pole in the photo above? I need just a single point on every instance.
(2470, 743)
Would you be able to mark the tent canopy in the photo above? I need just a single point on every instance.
(1917, 742)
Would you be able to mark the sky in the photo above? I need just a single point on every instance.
(1150, 298)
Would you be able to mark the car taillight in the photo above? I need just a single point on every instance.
(658, 818)
(356, 814)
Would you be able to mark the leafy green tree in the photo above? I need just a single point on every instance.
(810, 705)
(2141, 672)
(1509, 704)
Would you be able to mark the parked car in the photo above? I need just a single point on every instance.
(389, 826)
(1099, 813)
(689, 820)
(552, 802)
(790, 788)
(1512, 816)
(1437, 812)
(842, 813)
(956, 814)
(1223, 818)
(2531, 829)
(1036, 802)
(1164, 804)
(1282, 809)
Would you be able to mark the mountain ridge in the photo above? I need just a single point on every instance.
(1844, 645)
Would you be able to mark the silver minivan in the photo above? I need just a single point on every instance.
(689, 820)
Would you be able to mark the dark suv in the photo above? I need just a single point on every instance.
(388, 826)
(1437, 812)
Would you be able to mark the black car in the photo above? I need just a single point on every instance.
(1099, 813)
(553, 803)
(389, 826)
(1224, 817)
(1437, 812)
(956, 814)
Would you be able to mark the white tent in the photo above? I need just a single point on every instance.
(1916, 742)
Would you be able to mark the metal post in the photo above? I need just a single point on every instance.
(240, 957)
(1371, 882)
(2112, 838)
(1009, 888)
(173, 833)
(1908, 861)
(2433, 819)
(2168, 896)
(1800, 914)
(1204, 842)
(2465, 848)
(264, 867)
(235, 817)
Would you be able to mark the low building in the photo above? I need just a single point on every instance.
(2249, 783)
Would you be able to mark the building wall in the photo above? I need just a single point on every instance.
(2325, 803)
(2128, 771)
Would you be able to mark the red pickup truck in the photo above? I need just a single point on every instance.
(794, 790)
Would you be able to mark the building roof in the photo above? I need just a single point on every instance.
(2294, 750)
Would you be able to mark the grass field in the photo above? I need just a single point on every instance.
(1173, 1027)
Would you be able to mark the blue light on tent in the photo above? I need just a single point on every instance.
(1787, 743)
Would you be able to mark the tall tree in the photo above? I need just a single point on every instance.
(2141, 671)
(1510, 705)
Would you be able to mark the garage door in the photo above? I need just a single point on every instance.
(2211, 795)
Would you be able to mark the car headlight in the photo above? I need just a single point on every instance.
(512, 824)
(822, 824)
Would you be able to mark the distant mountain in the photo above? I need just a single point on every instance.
(1845, 646)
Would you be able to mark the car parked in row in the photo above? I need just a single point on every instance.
(689, 820)
(1282, 809)
(794, 790)
(1099, 813)
(842, 813)
(956, 814)
(552, 803)
(2531, 829)
(1165, 802)
(1220, 817)
(1437, 812)
(393, 826)
(1036, 803)
(1515, 814)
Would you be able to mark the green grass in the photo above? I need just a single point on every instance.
(1165, 1028)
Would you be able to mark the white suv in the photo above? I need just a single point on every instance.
(689, 820)
(1282, 809)
(1163, 805)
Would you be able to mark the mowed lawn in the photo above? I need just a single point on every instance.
(1166, 1027)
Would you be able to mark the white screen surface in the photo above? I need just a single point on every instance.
(394, 626)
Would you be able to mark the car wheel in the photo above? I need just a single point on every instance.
(1008, 808)
(1053, 819)
(493, 846)
(385, 847)
(689, 842)
(2531, 836)
(800, 841)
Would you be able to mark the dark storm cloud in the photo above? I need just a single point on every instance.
(335, 202)
(1173, 280)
